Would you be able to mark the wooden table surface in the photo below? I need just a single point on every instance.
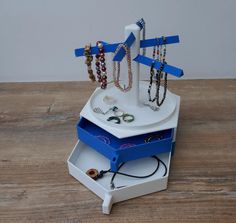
(37, 134)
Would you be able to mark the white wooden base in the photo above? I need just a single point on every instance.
(83, 158)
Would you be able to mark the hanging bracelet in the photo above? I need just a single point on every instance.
(116, 71)
(88, 61)
(101, 66)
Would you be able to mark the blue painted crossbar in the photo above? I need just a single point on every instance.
(121, 53)
(158, 41)
(167, 68)
(108, 48)
(151, 42)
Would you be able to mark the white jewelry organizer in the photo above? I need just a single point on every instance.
(83, 157)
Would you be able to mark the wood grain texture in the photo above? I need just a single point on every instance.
(37, 134)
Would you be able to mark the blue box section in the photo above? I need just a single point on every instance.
(123, 150)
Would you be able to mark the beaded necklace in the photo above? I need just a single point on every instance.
(101, 66)
(159, 54)
(116, 72)
(159, 75)
(155, 50)
(88, 61)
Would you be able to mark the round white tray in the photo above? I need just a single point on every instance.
(144, 115)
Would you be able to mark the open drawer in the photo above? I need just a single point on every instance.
(126, 149)
(84, 157)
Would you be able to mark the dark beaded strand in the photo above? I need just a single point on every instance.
(99, 77)
(150, 83)
(158, 84)
(154, 52)
(160, 56)
(159, 75)
(101, 66)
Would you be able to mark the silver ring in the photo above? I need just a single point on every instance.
(128, 118)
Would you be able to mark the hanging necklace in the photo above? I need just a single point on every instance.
(116, 75)
(88, 61)
(159, 54)
(155, 50)
(101, 66)
(159, 74)
(150, 83)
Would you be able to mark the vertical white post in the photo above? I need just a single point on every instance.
(133, 94)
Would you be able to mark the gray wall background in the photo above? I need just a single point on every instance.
(38, 38)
